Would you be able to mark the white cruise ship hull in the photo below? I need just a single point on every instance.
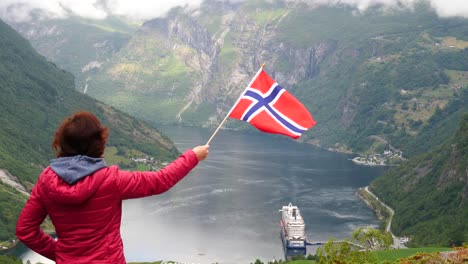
(292, 231)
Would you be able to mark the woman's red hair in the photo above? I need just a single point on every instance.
(80, 134)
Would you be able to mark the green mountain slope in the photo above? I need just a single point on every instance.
(430, 193)
(386, 78)
(147, 71)
(76, 44)
(36, 96)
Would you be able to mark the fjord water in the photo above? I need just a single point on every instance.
(226, 210)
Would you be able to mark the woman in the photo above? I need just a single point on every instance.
(83, 196)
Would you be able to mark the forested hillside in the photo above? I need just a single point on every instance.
(36, 96)
(430, 193)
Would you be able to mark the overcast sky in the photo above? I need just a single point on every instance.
(20, 10)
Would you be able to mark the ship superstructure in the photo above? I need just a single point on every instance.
(293, 230)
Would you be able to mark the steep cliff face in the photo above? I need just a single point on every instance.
(256, 44)
(195, 64)
(161, 71)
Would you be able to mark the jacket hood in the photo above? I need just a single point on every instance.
(74, 168)
(76, 181)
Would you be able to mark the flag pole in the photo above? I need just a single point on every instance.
(232, 108)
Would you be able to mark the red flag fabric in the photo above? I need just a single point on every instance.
(271, 109)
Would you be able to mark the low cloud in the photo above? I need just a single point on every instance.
(444, 8)
(24, 10)
(448, 8)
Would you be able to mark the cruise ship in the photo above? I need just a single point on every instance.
(292, 231)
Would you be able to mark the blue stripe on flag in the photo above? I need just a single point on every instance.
(264, 102)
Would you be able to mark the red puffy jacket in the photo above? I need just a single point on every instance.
(87, 214)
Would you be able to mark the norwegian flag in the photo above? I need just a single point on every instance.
(271, 109)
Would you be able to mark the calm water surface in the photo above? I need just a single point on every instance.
(226, 210)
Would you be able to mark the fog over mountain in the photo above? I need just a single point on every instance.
(22, 10)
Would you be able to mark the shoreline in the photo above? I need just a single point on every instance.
(383, 212)
(374, 204)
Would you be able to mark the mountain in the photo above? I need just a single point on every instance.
(372, 79)
(36, 97)
(78, 45)
(430, 193)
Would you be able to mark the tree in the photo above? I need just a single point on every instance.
(257, 261)
(10, 260)
(355, 250)
(334, 252)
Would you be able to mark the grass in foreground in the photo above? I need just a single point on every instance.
(391, 255)
(395, 254)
